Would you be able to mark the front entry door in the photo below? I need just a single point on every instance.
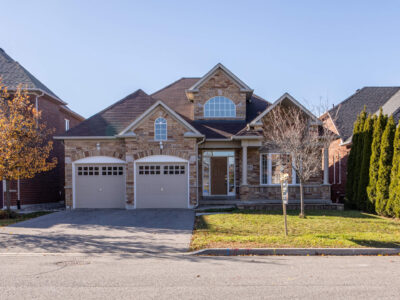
(219, 175)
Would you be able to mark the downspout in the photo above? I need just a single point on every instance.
(37, 107)
(197, 170)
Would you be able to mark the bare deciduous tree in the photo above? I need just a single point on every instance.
(289, 130)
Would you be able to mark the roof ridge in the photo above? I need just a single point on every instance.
(32, 78)
(171, 84)
(121, 101)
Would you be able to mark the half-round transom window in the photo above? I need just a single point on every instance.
(219, 107)
(160, 129)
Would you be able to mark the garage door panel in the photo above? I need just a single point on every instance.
(100, 186)
(162, 185)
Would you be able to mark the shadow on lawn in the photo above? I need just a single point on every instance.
(355, 214)
(376, 244)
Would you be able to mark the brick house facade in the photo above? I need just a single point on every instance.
(49, 186)
(340, 120)
(194, 140)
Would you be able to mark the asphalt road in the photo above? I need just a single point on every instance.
(146, 276)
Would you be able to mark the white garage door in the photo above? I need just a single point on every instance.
(162, 185)
(99, 186)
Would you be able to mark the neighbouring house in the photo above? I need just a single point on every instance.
(340, 119)
(48, 186)
(194, 141)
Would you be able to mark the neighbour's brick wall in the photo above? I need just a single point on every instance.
(219, 85)
(48, 186)
(338, 156)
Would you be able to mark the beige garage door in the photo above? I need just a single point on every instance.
(100, 186)
(161, 185)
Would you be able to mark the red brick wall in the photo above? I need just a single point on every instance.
(338, 156)
(48, 186)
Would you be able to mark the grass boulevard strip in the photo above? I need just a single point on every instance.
(321, 229)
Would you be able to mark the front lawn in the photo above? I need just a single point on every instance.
(20, 217)
(325, 229)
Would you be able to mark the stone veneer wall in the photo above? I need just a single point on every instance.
(219, 85)
(314, 189)
(131, 149)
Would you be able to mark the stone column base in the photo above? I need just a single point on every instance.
(244, 192)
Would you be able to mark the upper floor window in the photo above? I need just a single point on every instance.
(160, 129)
(219, 107)
(66, 124)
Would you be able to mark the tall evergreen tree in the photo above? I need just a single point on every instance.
(358, 159)
(379, 127)
(350, 164)
(385, 166)
(362, 197)
(393, 205)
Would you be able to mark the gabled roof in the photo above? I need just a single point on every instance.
(174, 96)
(150, 110)
(285, 96)
(243, 87)
(345, 114)
(115, 118)
(13, 74)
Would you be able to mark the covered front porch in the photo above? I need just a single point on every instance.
(232, 172)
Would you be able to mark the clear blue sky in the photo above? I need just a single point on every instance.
(93, 53)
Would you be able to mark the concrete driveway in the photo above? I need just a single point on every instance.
(101, 231)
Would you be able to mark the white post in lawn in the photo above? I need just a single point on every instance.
(244, 164)
(326, 165)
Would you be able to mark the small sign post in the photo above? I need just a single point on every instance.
(285, 197)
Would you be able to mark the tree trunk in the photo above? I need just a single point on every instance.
(8, 196)
(302, 214)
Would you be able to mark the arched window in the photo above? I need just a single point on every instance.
(219, 107)
(160, 129)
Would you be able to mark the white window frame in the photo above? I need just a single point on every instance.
(269, 170)
(215, 116)
(155, 129)
(66, 124)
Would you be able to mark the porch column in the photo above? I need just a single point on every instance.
(326, 166)
(244, 164)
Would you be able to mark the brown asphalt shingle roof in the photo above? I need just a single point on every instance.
(13, 74)
(118, 116)
(345, 114)
(114, 118)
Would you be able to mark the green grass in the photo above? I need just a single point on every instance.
(21, 217)
(327, 229)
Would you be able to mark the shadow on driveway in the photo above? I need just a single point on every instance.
(101, 231)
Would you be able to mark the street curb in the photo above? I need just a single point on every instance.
(298, 251)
